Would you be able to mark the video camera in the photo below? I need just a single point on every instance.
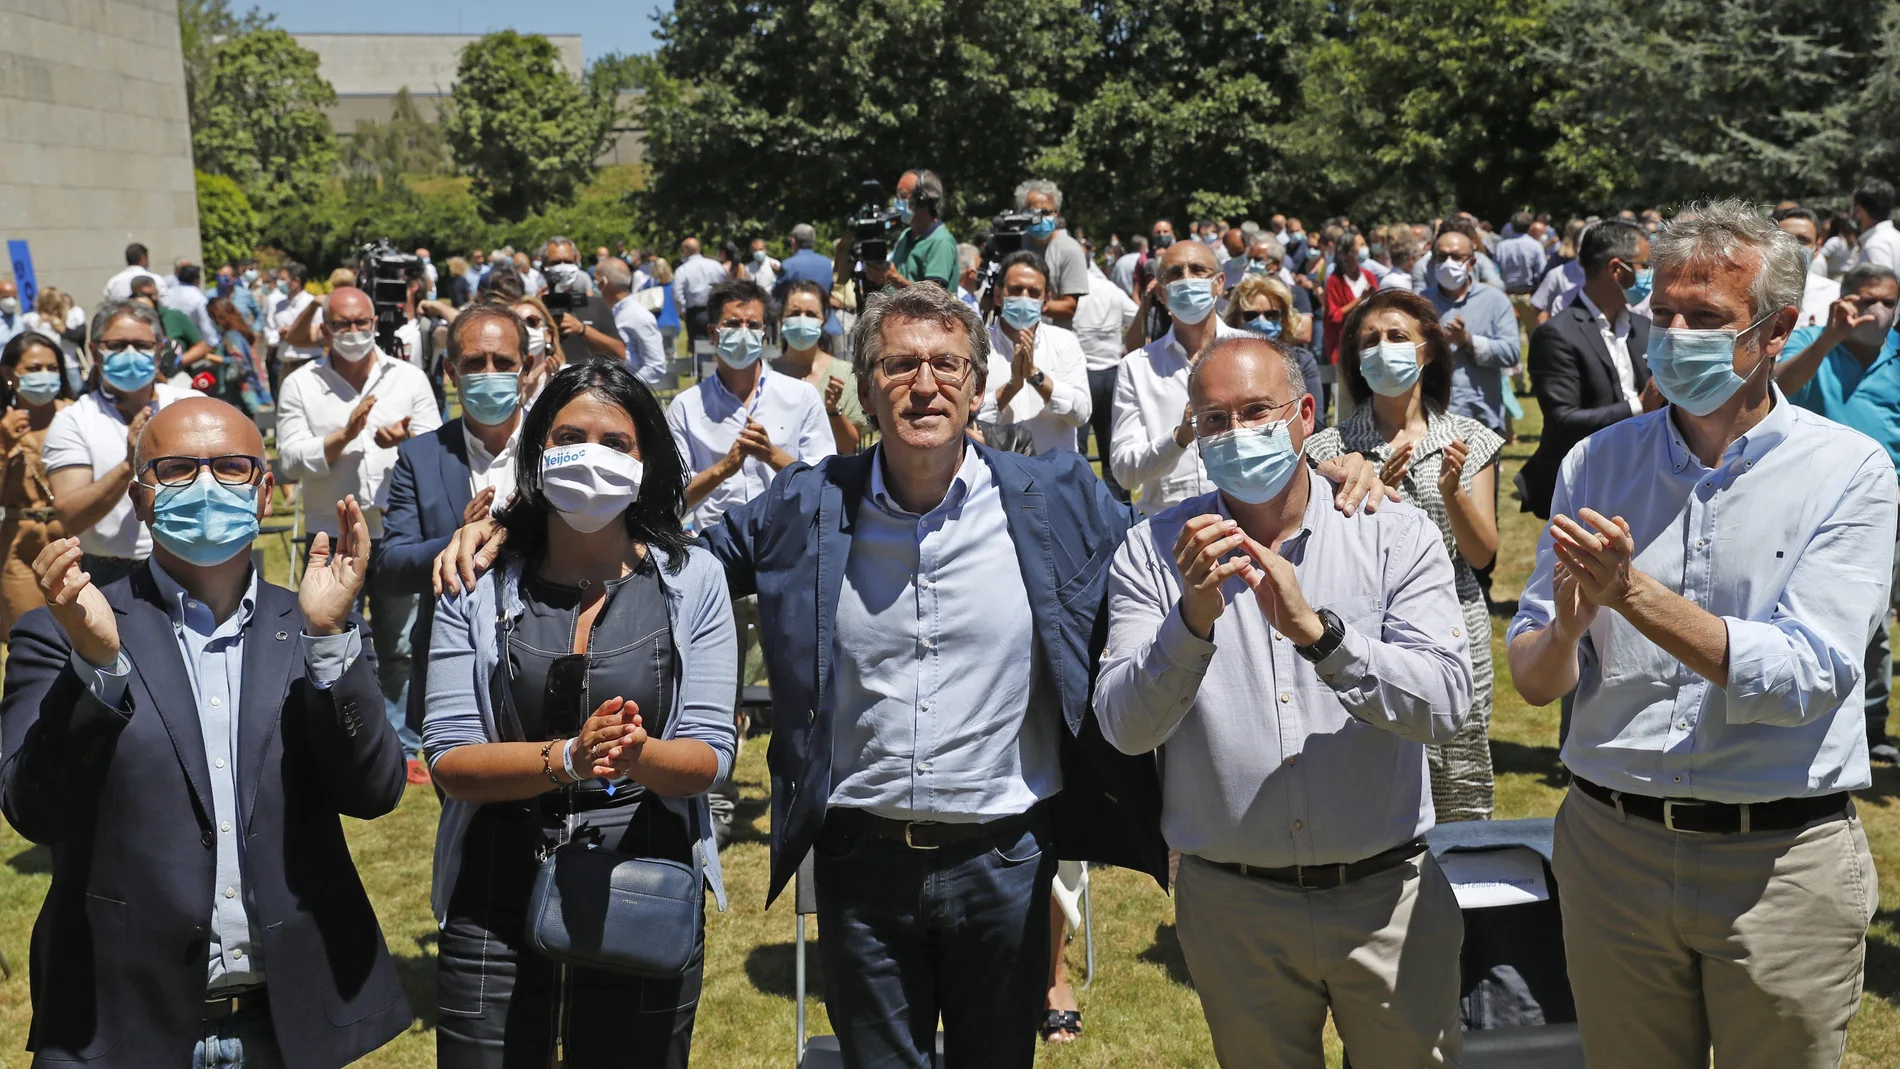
(385, 273)
(874, 225)
(1005, 236)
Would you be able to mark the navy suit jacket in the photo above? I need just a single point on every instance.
(789, 546)
(427, 492)
(123, 797)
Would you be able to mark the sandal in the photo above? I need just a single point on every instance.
(1054, 1021)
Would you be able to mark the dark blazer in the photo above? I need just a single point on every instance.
(1576, 388)
(789, 546)
(123, 797)
(427, 492)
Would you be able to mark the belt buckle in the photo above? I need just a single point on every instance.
(913, 844)
(1669, 814)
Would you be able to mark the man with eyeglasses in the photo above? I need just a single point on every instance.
(1804, 227)
(185, 740)
(89, 444)
(1290, 662)
(339, 421)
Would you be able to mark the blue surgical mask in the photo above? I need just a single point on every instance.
(1252, 464)
(1022, 312)
(1695, 369)
(38, 387)
(1390, 367)
(1638, 291)
(1363, 255)
(206, 522)
(1042, 228)
(490, 397)
(1256, 267)
(250, 275)
(129, 370)
(802, 332)
(1190, 300)
(903, 208)
(1270, 328)
(740, 348)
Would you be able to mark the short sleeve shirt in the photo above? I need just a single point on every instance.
(1864, 398)
(1068, 267)
(90, 433)
(933, 256)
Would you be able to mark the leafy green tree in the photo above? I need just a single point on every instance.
(264, 125)
(202, 26)
(227, 227)
(527, 130)
(378, 153)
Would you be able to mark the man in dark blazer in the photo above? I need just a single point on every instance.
(1587, 362)
(432, 489)
(185, 741)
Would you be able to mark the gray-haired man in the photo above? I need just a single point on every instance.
(1068, 265)
(639, 331)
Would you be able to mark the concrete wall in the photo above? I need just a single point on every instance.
(97, 143)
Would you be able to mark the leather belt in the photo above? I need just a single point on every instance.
(1327, 877)
(219, 1009)
(1718, 818)
(925, 834)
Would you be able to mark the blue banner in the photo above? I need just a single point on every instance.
(23, 276)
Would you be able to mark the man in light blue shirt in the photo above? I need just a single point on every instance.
(693, 281)
(1481, 326)
(1708, 584)
(1521, 256)
(1288, 663)
(639, 331)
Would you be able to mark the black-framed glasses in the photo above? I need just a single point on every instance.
(565, 706)
(1219, 421)
(231, 469)
(345, 326)
(946, 368)
(1272, 315)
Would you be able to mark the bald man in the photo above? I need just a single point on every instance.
(693, 281)
(1296, 790)
(10, 310)
(339, 421)
(185, 740)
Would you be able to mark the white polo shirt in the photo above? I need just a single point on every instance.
(1051, 425)
(314, 401)
(706, 419)
(90, 433)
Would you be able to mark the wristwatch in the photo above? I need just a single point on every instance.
(1329, 639)
(1037, 379)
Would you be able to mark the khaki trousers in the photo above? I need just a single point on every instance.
(1268, 960)
(1676, 941)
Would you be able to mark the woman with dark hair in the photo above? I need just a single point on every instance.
(36, 387)
(580, 691)
(1038, 375)
(806, 355)
(1395, 362)
(242, 379)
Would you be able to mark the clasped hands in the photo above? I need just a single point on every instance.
(1198, 552)
(1593, 569)
(612, 740)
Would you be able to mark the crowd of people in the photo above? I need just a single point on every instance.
(1247, 650)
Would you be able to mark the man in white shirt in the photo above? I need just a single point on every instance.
(741, 427)
(969, 274)
(1043, 376)
(1124, 269)
(693, 282)
(1873, 213)
(284, 312)
(1101, 317)
(339, 421)
(763, 268)
(137, 262)
(89, 444)
(1822, 291)
(1152, 450)
(187, 298)
(646, 350)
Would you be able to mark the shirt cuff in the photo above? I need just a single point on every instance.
(327, 657)
(1183, 648)
(106, 684)
(1636, 406)
(1350, 662)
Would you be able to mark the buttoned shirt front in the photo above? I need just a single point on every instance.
(705, 419)
(316, 400)
(646, 350)
(1616, 338)
(1266, 758)
(936, 646)
(284, 313)
(1051, 424)
(1491, 324)
(1789, 540)
(1150, 399)
(495, 470)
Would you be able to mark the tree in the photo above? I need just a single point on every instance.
(264, 125)
(202, 26)
(526, 129)
(378, 153)
(227, 227)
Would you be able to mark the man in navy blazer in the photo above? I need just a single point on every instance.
(432, 490)
(185, 741)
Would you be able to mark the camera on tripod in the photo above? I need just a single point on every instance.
(385, 273)
(874, 225)
(1006, 236)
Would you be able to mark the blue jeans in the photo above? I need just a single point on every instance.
(906, 935)
(243, 1041)
(391, 616)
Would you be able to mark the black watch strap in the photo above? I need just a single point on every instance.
(1329, 639)
(1038, 378)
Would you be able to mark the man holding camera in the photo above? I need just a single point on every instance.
(586, 322)
(1068, 267)
(927, 252)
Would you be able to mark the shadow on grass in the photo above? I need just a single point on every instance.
(1165, 951)
(33, 861)
(417, 972)
(1886, 785)
(745, 820)
(1883, 956)
(771, 968)
(1539, 761)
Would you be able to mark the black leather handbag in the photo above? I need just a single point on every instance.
(598, 909)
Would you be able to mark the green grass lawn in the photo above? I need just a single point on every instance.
(1141, 1011)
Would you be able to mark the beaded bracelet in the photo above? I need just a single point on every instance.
(547, 766)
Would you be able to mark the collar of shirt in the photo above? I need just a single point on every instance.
(1622, 324)
(1743, 452)
(187, 611)
(973, 474)
(766, 374)
(1167, 343)
(1319, 505)
(480, 458)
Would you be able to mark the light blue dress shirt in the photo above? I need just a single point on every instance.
(705, 419)
(1789, 539)
(936, 675)
(1477, 390)
(213, 653)
(1521, 263)
(1864, 398)
(694, 279)
(646, 350)
(1266, 758)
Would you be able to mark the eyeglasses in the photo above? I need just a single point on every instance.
(1272, 314)
(1219, 421)
(231, 469)
(534, 321)
(947, 369)
(343, 326)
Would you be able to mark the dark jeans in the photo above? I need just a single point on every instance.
(1102, 422)
(107, 569)
(906, 935)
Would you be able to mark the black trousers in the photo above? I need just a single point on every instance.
(500, 1005)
